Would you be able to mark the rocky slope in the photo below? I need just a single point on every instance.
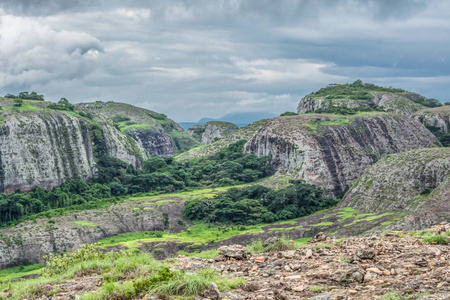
(438, 117)
(212, 130)
(44, 147)
(158, 134)
(332, 151)
(31, 240)
(416, 182)
(244, 133)
(364, 96)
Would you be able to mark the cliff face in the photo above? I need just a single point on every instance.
(45, 147)
(158, 134)
(416, 182)
(244, 133)
(331, 151)
(390, 102)
(437, 117)
(32, 240)
(211, 131)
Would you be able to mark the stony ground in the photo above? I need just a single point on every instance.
(395, 266)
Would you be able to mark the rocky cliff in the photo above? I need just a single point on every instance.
(438, 117)
(211, 131)
(244, 133)
(333, 151)
(32, 240)
(44, 147)
(416, 182)
(365, 97)
(158, 134)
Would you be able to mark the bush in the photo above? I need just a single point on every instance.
(436, 239)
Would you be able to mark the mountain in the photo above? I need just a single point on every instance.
(240, 119)
(158, 134)
(332, 151)
(211, 131)
(361, 96)
(43, 144)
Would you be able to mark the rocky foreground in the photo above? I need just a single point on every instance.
(394, 266)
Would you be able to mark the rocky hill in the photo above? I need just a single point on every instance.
(437, 120)
(212, 130)
(415, 182)
(332, 151)
(42, 146)
(364, 96)
(244, 133)
(158, 134)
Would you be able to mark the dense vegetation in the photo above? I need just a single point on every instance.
(443, 137)
(361, 91)
(116, 178)
(259, 204)
(26, 96)
(343, 110)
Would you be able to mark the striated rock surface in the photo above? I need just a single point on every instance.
(44, 147)
(331, 151)
(158, 134)
(416, 182)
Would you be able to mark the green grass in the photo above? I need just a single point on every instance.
(436, 239)
(316, 288)
(20, 271)
(197, 234)
(85, 223)
(324, 224)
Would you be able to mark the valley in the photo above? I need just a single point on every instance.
(356, 161)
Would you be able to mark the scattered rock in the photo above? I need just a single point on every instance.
(365, 254)
(234, 251)
(214, 293)
(270, 241)
(320, 237)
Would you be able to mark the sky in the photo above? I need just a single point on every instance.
(206, 58)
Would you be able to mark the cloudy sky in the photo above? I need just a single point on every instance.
(205, 58)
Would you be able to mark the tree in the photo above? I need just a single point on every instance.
(18, 102)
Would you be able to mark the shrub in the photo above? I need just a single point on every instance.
(436, 239)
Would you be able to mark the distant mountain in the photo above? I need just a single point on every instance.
(240, 119)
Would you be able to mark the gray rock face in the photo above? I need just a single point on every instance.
(416, 182)
(437, 117)
(31, 240)
(48, 147)
(217, 130)
(331, 152)
(390, 102)
(211, 131)
(155, 141)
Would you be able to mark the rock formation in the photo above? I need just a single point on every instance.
(211, 131)
(332, 151)
(158, 134)
(438, 117)
(44, 147)
(416, 182)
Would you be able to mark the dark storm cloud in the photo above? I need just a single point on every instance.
(211, 57)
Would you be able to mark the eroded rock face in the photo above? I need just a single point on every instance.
(416, 182)
(31, 240)
(331, 152)
(437, 117)
(211, 131)
(391, 102)
(46, 148)
(155, 141)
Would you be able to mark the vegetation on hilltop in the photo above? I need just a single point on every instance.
(26, 96)
(362, 91)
